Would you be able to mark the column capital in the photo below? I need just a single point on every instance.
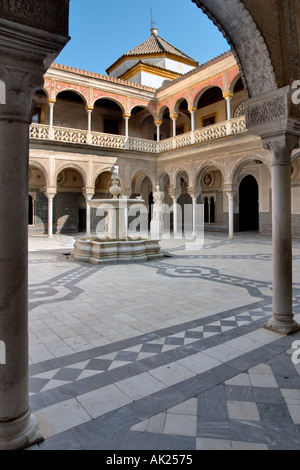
(192, 109)
(158, 122)
(126, 115)
(230, 189)
(174, 116)
(194, 191)
(227, 95)
(88, 193)
(281, 148)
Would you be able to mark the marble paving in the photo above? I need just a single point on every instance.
(165, 355)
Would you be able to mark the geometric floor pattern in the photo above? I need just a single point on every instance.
(212, 381)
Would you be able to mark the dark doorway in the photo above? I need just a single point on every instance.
(82, 220)
(249, 208)
(30, 210)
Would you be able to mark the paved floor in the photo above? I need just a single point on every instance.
(165, 355)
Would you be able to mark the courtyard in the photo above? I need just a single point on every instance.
(169, 354)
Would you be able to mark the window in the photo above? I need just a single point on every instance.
(180, 130)
(37, 115)
(110, 126)
(209, 120)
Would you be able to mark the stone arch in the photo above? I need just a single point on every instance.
(73, 90)
(162, 110)
(143, 172)
(36, 164)
(179, 173)
(233, 176)
(110, 98)
(247, 43)
(203, 168)
(201, 93)
(72, 166)
(233, 82)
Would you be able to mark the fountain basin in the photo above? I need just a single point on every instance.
(96, 251)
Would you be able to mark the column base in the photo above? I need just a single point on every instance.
(20, 433)
(281, 327)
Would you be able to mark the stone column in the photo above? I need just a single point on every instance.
(192, 111)
(50, 197)
(25, 54)
(126, 118)
(174, 118)
(228, 98)
(275, 119)
(230, 190)
(89, 114)
(283, 318)
(173, 194)
(88, 196)
(158, 124)
(51, 110)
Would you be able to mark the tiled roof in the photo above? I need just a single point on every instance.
(156, 45)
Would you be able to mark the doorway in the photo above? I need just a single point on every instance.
(249, 204)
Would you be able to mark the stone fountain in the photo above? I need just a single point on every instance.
(114, 244)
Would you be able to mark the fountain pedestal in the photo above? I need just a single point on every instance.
(114, 245)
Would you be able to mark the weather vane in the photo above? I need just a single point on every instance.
(152, 22)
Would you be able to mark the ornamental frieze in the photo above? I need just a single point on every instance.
(49, 15)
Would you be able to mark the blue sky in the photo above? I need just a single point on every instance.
(103, 30)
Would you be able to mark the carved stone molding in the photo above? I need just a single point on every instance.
(281, 149)
(49, 15)
(272, 114)
(248, 45)
(20, 89)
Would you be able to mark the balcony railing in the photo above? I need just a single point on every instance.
(99, 139)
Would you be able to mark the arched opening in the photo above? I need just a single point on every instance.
(37, 201)
(69, 110)
(249, 204)
(238, 96)
(142, 187)
(107, 117)
(210, 184)
(39, 114)
(183, 122)
(211, 108)
(69, 203)
(141, 124)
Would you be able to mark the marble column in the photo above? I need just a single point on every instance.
(89, 115)
(51, 111)
(174, 119)
(230, 190)
(88, 197)
(50, 197)
(228, 98)
(192, 111)
(25, 55)
(282, 320)
(126, 118)
(158, 124)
